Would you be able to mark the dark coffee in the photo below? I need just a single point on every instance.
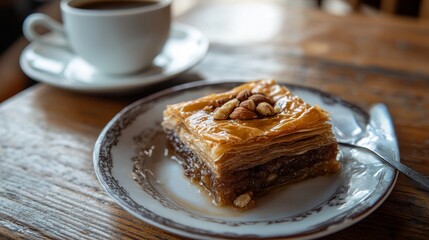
(114, 5)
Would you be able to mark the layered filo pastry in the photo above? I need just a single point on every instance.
(250, 140)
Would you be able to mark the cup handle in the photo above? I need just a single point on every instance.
(39, 19)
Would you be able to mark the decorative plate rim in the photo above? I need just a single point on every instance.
(185, 230)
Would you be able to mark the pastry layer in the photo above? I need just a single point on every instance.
(235, 150)
(220, 143)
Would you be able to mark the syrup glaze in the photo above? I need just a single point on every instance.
(296, 115)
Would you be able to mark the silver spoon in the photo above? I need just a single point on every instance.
(379, 138)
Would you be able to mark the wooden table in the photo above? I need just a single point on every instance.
(48, 188)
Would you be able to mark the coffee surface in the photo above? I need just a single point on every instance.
(115, 5)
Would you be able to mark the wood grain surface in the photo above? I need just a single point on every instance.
(48, 188)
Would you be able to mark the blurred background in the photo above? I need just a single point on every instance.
(13, 13)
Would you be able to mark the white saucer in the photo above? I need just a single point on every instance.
(60, 67)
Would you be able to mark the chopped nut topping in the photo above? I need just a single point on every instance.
(244, 106)
(244, 95)
(258, 98)
(242, 114)
(223, 112)
(220, 102)
(243, 200)
(265, 109)
(249, 104)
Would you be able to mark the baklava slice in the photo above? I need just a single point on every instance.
(250, 140)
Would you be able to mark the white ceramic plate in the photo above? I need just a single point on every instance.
(131, 163)
(60, 67)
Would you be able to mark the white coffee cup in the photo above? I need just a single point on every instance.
(115, 41)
